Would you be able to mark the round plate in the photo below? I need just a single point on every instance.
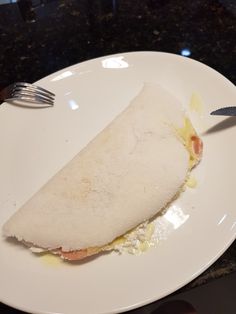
(36, 143)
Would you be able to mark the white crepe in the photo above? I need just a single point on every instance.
(124, 176)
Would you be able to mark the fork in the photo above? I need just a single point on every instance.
(27, 93)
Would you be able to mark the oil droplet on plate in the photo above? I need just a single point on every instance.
(50, 259)
(196, 103)
(191, 182)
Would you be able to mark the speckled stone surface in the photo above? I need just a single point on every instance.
(37, 41)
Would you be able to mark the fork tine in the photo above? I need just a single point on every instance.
(31, 101)
(34, 99)
(27, 91)
(34, 90)
(33, 96)
(23, 84)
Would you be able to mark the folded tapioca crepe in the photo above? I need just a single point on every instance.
(122, 178)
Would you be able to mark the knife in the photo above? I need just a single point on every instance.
(226, 111)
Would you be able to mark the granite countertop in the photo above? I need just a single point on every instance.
(40, 37)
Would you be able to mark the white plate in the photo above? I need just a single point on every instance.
(35, 144)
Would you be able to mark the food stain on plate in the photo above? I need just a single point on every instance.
(191, 182)
(50, 259)
(196, 103)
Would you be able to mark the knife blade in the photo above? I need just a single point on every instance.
(226, 111)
